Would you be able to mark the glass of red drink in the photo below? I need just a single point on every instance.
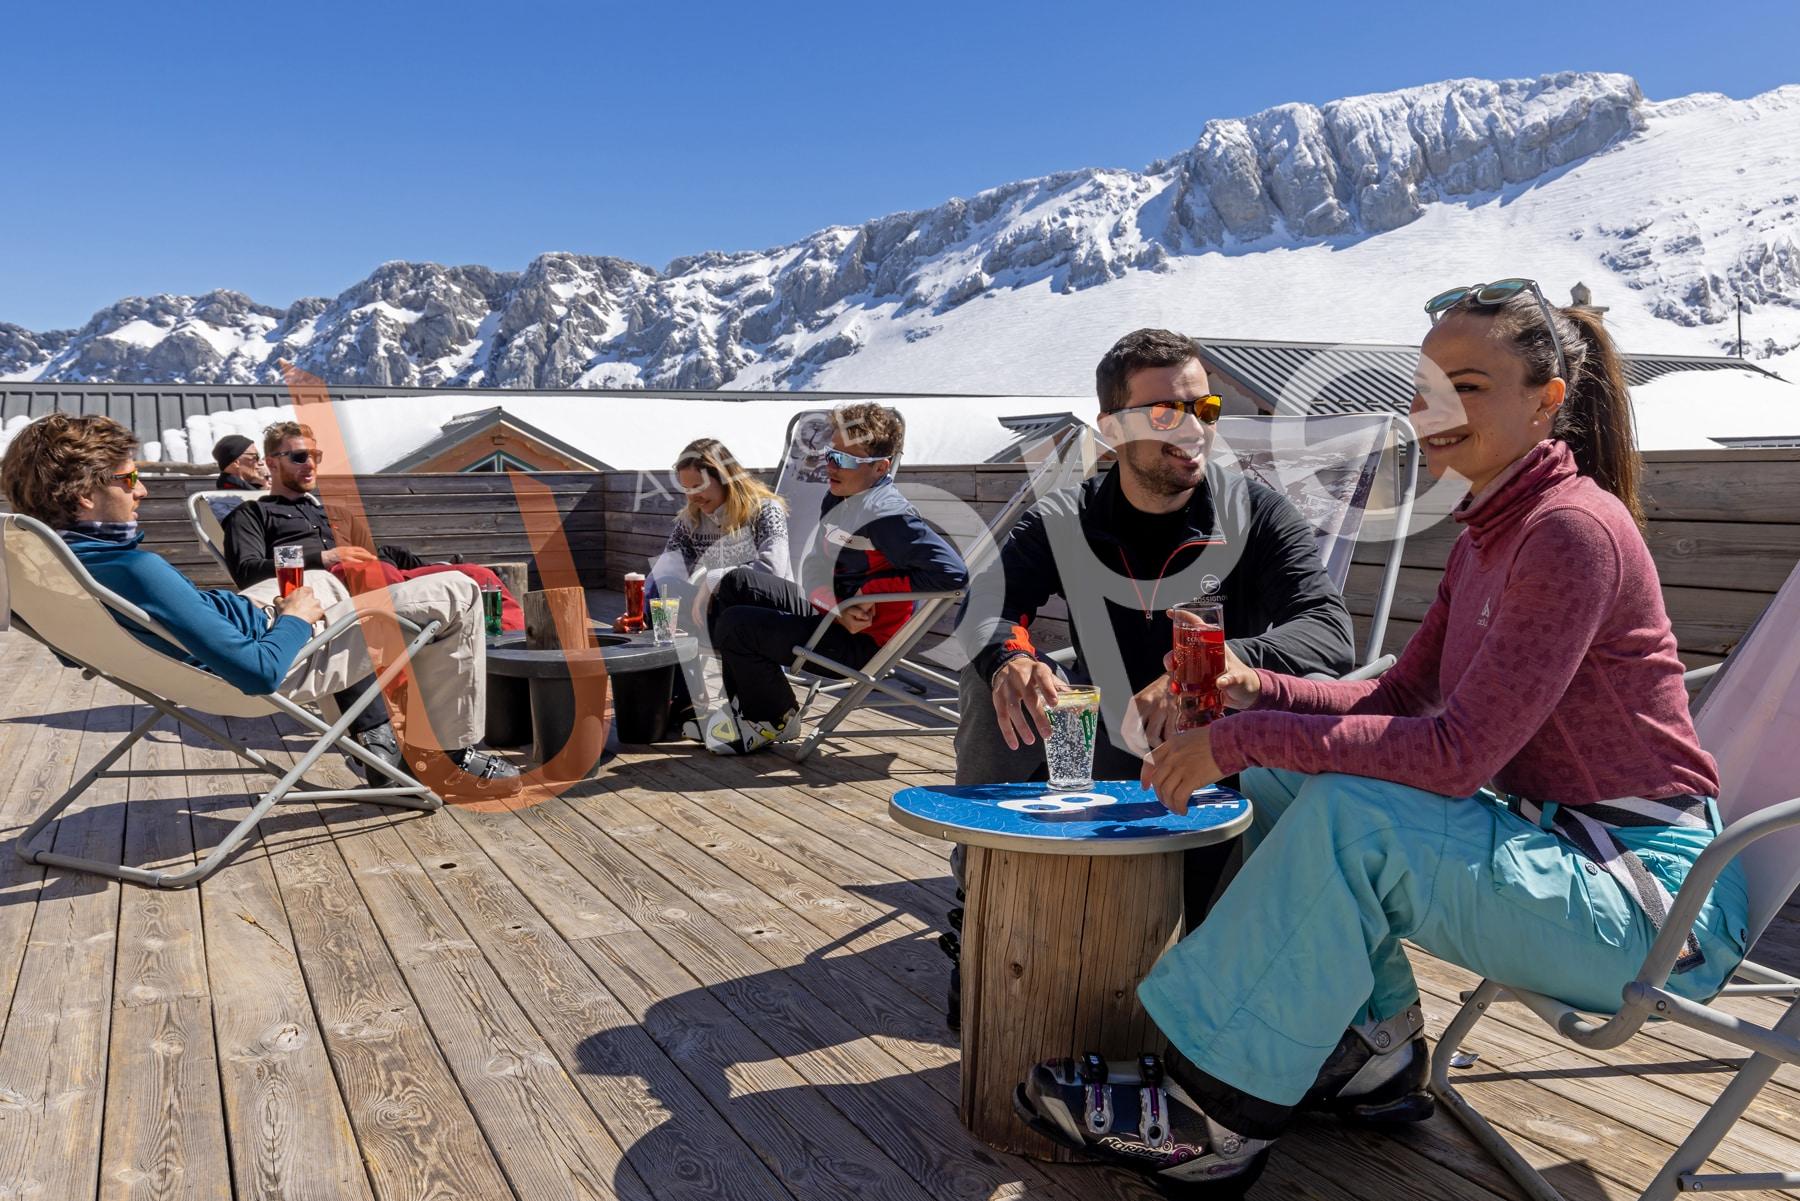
(1199, 662)
(290, 568)
(632, 620)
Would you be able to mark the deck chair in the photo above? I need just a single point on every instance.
(896, 672)
(1329, 466)
(51, 598)
(204, 516)
(1746, 719)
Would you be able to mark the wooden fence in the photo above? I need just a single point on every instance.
(1724, 529)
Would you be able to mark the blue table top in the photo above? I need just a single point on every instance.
(1115, 817)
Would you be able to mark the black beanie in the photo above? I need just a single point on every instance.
(228, 448)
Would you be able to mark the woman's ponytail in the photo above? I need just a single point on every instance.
(1595, 417)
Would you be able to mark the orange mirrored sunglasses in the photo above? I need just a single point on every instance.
(1165, 415)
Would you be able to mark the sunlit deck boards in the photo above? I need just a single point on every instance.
(696, 978)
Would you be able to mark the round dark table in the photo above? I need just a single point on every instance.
(641, 676)
(1072, 898)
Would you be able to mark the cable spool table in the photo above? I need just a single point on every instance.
(1071, 899)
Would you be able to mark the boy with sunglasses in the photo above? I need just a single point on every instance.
(870, 540)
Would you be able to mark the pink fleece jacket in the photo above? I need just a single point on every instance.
(1546, 666)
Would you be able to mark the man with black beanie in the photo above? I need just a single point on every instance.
(240, 466)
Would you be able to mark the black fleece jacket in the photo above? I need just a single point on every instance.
(1236, 537)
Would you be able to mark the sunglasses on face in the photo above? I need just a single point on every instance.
(1165, 415)
(844, 461)
(250, 457)
(126, 479)
(1497, 293)
(301, 458)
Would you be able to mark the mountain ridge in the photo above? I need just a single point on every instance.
(1292, 178)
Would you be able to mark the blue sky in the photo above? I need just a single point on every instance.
(285, 150)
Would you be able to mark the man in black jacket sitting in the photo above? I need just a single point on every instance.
(291, 515)
(1162, 526)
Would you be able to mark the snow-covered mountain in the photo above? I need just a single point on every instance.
(1317, 223)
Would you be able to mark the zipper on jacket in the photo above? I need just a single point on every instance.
(1149, 608)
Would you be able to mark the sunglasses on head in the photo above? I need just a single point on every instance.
(1165, 415)
(301, 458)
(128, 479)
(1498, 293)
(845, 461)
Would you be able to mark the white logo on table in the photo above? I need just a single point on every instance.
(1059, 802)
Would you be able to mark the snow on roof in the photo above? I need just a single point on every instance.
(1687, 410)
(630, 432)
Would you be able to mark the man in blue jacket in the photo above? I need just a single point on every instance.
(870, 540)
(78, 476)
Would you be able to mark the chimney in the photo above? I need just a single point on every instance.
(1582, 297)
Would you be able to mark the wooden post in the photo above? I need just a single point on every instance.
(543, 610)
(514, 575)
(1053, 949)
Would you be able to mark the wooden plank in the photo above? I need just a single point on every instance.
(286, 1123)
(1737, 490)
(165, 1119)
(1626, 1123)
(417, 1135)
(860, 927)
(48, 713)
(521, 1032)
(53, 1053)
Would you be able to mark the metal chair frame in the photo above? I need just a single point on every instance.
(406, 792)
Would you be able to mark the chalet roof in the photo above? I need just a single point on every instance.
(462, 427)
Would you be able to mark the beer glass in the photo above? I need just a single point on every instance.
(290, 568)
(1074, 723)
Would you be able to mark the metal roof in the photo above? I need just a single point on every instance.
(149, 409)
(462, 427)
(1335, 377)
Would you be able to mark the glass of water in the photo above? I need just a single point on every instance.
(663, 611)
(1074, 723)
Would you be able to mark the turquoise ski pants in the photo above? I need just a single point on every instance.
(1306, 940)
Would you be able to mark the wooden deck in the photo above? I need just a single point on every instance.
(695, 978)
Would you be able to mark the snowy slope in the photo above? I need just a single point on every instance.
(1317, 223)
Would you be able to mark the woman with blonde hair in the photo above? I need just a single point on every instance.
(731, 520)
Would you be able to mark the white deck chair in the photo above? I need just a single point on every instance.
(208, 527)
(1328, 467)
(52, 598)
(851, 689)
(1747, 720)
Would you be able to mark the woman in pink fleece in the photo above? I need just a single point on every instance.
(1521, 794)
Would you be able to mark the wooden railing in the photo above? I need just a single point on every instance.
(1724, 529)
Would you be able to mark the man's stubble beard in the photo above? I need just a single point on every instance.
(1155, 474)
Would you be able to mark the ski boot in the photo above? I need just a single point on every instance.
(1379, 1072)
(1138, 1116)
(950, 942)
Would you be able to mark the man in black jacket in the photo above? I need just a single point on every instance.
(1162, 526)
(291, 515)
